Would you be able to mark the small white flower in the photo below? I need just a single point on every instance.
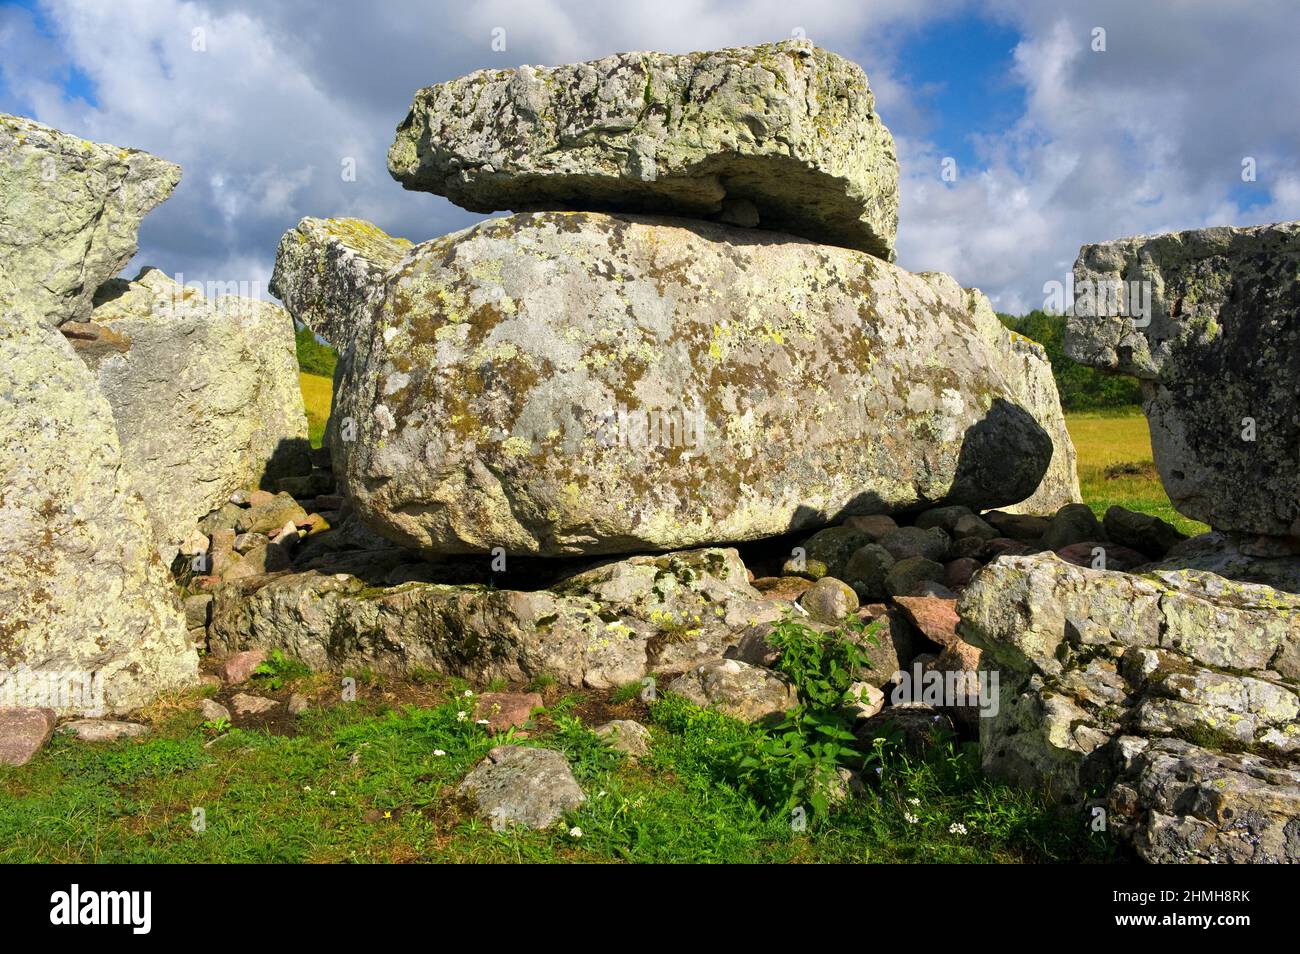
(332, 792)
(956, 828)
(306, 788)
(439, 752)
(914, 801)
(575, 832)
(462, 715)
(468, 693)
(910, 818)
(483, 722)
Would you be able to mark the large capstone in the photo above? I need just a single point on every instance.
(580, 383)
(204, 394)
(1209, 321)
(69, 210)
(783, 136)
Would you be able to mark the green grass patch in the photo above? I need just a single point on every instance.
(364, 781)
(317, 392)
(1115, 466)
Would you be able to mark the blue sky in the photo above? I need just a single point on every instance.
(1056, 143)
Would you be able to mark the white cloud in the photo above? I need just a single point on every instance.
(1147, 136)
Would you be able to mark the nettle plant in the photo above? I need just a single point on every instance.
(796, 761)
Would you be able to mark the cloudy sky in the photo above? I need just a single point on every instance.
(1055, 143)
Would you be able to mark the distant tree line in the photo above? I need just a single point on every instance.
(314, 355)
(1081, 388)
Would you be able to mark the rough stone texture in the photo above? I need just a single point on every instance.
(829, 600)
(1102, 556)
(936, 618)
(213, 711)
(1180, 803)
(328, 272)
(917, 727)
(1074, 523)
(246, 704)
(81, 587)
(103, 730)
(866, 571)
(737, 689)
(1222, 345)
(204, 393)
(1089, 658)
(627, 736)
(1222, 554)
(506, 710)
(23, 732)
(1149, 535)
(522, 786)
(600, 628)
(784, 136)
(568, 383)
(913, 541)
(907, 577)
(238, 667)
(1029, 372)
(69, 210)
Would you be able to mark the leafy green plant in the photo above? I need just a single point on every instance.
(589, 754)
(275, 670)
(797, 761)
(216, 726)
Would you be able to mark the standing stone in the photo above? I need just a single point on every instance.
(1218, 355)
(784, 136)
(204, 392)
(69, 210)
(523, 379)
(82, 590)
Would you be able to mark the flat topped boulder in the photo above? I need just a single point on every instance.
(582, 383)
(1209, 321)
(784, 136)
(69, 210)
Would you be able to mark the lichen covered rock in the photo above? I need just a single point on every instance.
(784, 136)
(577, 383)
(69, 210)
(204, 393)
(84, 597)
(1146, 688)
(600, 628)
(1218, 355)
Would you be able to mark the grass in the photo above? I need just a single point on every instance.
(1120, 442)
(316, 394)
(362, 782)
